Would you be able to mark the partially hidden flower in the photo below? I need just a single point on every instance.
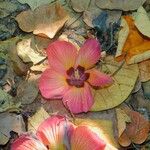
(57, 133)
(72, 75)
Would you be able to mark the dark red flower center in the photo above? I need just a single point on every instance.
(76, 77)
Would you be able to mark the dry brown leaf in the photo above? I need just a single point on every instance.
(122, 119)
(124, 81)
(125, 5)
(135, 47)
(144, 68)
(10, 122)
(46, 20)
(136, 131)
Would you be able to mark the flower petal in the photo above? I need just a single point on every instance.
(85, 139)
(27, 142)
(55, 132)
(99, 79)
(89, 54)
(52, 84)
(78, 99)
(61, 55)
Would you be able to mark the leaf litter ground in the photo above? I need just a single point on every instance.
(23, 59)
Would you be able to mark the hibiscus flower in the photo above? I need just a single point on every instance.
(57, 133)
(71, 74)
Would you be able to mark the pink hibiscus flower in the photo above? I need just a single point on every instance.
(57, 133)
(71, 74)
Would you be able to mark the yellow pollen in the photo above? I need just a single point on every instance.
(77, 76)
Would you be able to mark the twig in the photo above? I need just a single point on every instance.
(118, 69)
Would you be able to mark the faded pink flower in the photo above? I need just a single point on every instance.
(57, 133)
(71, 74)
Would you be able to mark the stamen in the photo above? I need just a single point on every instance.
(77, 76)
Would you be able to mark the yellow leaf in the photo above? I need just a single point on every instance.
(124, 81)
(45, 20)
(122, 118)
(103, 128)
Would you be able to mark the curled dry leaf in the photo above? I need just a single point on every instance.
(125, 5)
(10, 122)
(142, 21)
(103, 128)
(136, 131)
(28, 51)
(45, 20)
(124, 81)
(133, 46)
(144, 68)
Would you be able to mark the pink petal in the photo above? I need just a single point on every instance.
(89, 54)
(78, 99)
(99, 79)
(61, 55)
(55, 132)
(84, 139)
(52, 84)
(26, 142)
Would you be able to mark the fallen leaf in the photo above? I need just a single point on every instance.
(89, 9)
(7, 102)
(9, 48)
(122, 119)
(46, 20)
(103, 128)
(144, 68)
(35, 3)
(80, 6)
(120, 4)
(6, 8)
(28, 51)
(136, 131)
(146, 89)
(105, 18)
(122, 36)
(135, 47)
(10, 122)
(36, 119)
(124, 81)
(27, 91)
(142, 21)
